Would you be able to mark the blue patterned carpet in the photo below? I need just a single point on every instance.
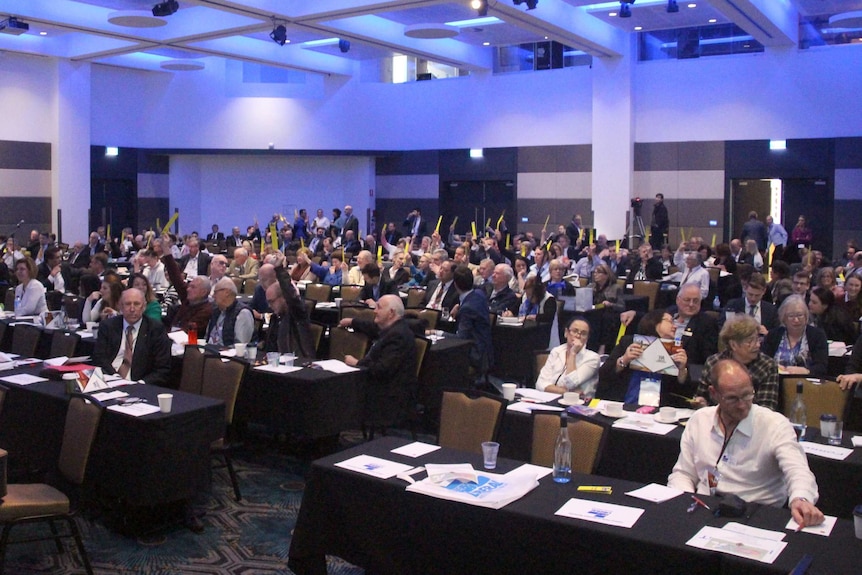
(249, 538)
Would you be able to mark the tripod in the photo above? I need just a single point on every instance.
(636, 228)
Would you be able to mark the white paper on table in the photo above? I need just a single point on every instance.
(823, 529)
(135, 409)
(7, 357)
(491, 490)
(540, 396)
(724, 541)
(539, 470)
(7, 365)
(278, 368)
(600, 512)
(837, 349)
(22, 379)
(827, 451)
(325, 304)
(56, 361)
(86, 334)
(857, 440)
(655, 493)
(416, 449)
(179, 337)
(109, 395)
(335, 366)
(374, 466)
(177, 350)
(27, 361)
(754, 531)
(644, 422)
(228, 352)
(529, 407)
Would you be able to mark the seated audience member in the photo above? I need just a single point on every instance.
(12, 253)
(589, 261)
(541, 266)
(536, 303)
(49, 272)
(374, 287)
(802, 283)
(196, 263)
(521, 267)
(397, 274)
(618, 381)
(390, 363)
(332, 274)
(289, 330)
(852, 302)
(693, 273)
(606, 292)
(780, 271)
(98, 264)
(742, 344)
(194, 307)
(354, 274)
(501, 298)
(826, 280)
(103, 303)
(148, 263)
(829, 317)
(474, 321)
(132, 345)
(724, 259)
(744, 449)
(648, 267)
(231, 321)
(751, 256)
(797, 347)
(482, 274)
(752, 304)
(441, 292)
(29, 293)
(571, 366)
(153, 309)
(556, 285)
(266, 277)
(243, 266)
(853, 372)
(218, 268)
(421, 273)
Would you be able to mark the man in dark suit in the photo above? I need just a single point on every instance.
(441, 292)
(235, 239)
(79, 257)
(501, 297)
(49, 272)
(660, 221)
(215, 236)
(374, 288)
(315, 244)
(195, 263)
(647, 267)
(350, 223)
(695, 330)
(415, 224)
(474, 321)
(133, 346)
(390, 363)
(573, 231)
(752, 304)
(755, 230)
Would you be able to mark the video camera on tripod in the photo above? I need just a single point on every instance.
(637, 204)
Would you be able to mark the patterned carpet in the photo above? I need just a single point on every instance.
(249, 538)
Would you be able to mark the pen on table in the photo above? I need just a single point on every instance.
(700, 502)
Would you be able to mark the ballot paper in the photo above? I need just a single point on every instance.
(135, 409)
(22, 379)
(416, 449)
(535, 394)
(644, 422)
(655, 493)
(179, 336)
(278, 368)
(488, 490)
(741, 545)
(655, 358)
(334, 365)
(374, 466)
(600, 512)
(827, 451)
(823, 529)
(530, 407)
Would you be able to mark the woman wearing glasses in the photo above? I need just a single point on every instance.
(618, 381)
(571, 366)
(798, 348)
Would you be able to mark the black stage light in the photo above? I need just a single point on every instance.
(166, 8)
(481, 7)
(279, 35)
(625, 10)
(672, 7)
(531, 4)
(344, 45)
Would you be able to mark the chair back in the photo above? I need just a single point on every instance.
(540, 358)
(432, 316)
(714, 274)
(582, 282)
(316, 330)
(825, 397)
(191, 379)
(648, 289)
(64, 343)
(3, 391)
(357, 311)
(350, 293)
(10, 299)
(238, 283)
(74, 305)
(415, 296)
(25, 339)
(221, 380)
(318, 292)
(421, 349)
(249, 285)
(622, 283)
(343, 343)
(79, 433)
(467, 419)
(588, 439)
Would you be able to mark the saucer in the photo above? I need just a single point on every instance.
(606, 414)
(660, 419)
(564, 402)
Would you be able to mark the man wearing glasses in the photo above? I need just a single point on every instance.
(742, 344)
(571, 366)
(744, 449)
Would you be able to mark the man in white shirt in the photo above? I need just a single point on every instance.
(744, 449)
(694, 273)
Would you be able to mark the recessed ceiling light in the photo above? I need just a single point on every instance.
(486, 43)
(639, 28)
(612, 14)
(43, 33)
(692, 5)
(713, 20)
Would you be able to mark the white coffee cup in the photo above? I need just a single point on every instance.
(240, 349)
(287, 358)
(165, 401)
(509, 391)
(251, 352)
(92, 326)
(614, 408)
(338, 301)
(572, 397)
(667, 414)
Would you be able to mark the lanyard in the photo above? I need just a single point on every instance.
(724, 445)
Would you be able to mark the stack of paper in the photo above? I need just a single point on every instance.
(489, 489)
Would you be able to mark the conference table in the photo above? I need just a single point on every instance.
(649, 458)
(378, 525)
(149, 460)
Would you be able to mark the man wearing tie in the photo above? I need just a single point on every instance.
(441, 292)
(133, 346)
(415, 224)
(215, 236)
(752, 304)
(236, 238)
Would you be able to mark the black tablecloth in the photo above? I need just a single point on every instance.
(649, 458)
(378, 525)
(148, 460)
(513, 349)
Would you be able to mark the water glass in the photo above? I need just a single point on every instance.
(489, 453)
(837, 433)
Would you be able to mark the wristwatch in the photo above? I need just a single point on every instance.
(621, 363)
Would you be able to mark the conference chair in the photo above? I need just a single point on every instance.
(64, 343)
(357, 311)
(249, 285)
(469, 418)
(43, 503)
(318, 292)
(350, 293)
(648, 289)
(3, 326)
(221, 380)
(429, 316)
(588, 439)
(540, 358)
(415, 296)
(25, 340)
(238, 283)
(10, 299)
(74, 306)
(191, 379)
(343, 343)
(316, 330)
(825, 397)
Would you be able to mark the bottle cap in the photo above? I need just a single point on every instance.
(828, 417)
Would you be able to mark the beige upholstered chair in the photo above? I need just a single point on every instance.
(343, 343)
(25, 340)
(191, 379)
(588, 439)
(350, 293)
(825, 397)
(469, 418)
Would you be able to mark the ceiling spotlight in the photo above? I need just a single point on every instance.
(672, 7)
(13, 26)
(625, 10)
(344, 45)
(481, 7)
(279, 35)
(166, 8)
(531, 4)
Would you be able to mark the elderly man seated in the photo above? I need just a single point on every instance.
(745, 450)
(195, 307)
(501, 297)
(243, 266)
(692, 272)
(231, 321)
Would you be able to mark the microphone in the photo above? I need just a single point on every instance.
(19, 223)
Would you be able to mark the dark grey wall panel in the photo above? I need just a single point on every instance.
(408, 163)
(153, 163)
(396, 210)
(701, 155)
(578, 158)
(673, 156)
(848, 214)
(656, 156)
(25, 155)
(560, 210)
(498, 164)
(149, 209)
(36, 213)
(848, 153)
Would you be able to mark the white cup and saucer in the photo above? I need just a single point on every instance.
(613, 409)
(571, 398)
(666, 415)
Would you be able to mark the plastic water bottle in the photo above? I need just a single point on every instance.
(17, 302)
(563, 453)
(798, 414)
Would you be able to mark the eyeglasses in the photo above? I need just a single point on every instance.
(796, 316)
(690, 301)
(581, 333)
(750, 341)
(744, 398)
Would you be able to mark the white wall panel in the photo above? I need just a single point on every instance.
(26, 183)
(561, 185)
